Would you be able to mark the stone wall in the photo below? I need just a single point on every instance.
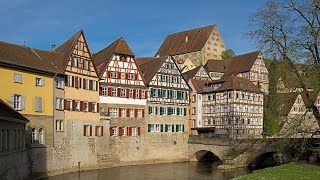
(14, 165)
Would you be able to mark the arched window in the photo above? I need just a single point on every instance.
(33, 136)
(41, 134)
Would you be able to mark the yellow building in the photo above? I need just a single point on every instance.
(27, 85)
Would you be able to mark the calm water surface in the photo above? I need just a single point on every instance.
(185, 170)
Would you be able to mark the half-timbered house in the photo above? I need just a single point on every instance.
(234, 107)
(123, 94)
(168, 98)
(250, 66)
(216, 68)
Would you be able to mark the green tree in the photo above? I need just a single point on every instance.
(227, 54)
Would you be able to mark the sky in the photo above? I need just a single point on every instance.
(144, 24)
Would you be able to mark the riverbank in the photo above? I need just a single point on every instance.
(286, 171)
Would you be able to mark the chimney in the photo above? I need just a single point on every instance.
(186, 39)
(53, 47)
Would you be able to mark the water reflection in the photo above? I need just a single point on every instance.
(185, 170)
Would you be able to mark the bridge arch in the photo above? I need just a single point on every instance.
(201, 152)
(263, 159)
(205, 155)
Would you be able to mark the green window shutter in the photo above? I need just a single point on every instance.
(166, 128)
(182, 127)
(185, 111)
(161, 127)
(179, 94)
(169, 110)
(151, 92)
(160, 93)
(161, 110)
(172, 127)
(170, 93)
(176, 127)
(149, 111)
(149, 127)
(156, 110)
(178, 111)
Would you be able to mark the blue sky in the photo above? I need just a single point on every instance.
(144, 24)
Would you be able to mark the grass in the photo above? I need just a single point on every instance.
(286, 171)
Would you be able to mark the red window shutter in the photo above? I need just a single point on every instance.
(136, 77)
(98, 107)
(80, 80)
(130, 131)
(108, 111)
(76, 82)
(96, 131)
(72, 81)
(110, 131)
(135, 112)
(146, 94)
(109, 91)
(101, 130)
(134, 93)
(119, 112)
(90, 106)
(90, 130)
(126, 76)
(140, 93)
(119, 75)
(127, 93)
(142, 112)
(65, 104)
(97, 85)
(108, 74)
(84, 130)
(73, 105)
(81, 106)
(120, 131)
(118, 92)
(139, 131)
(100, 91)
(128, 112)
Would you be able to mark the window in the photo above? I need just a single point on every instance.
(179, 128)
(131, 112)
(134, 131)
(174, 94)
(41, 134)
(74, 62)
(85, 106)
(193, 110)
(104, 91)
(194, 98)
(113, 75)
(59, 125)
(164, 111)
(69, 80)
(143, 94)
(87, 130)
(59, 83)
(137, 93)
(152, 110)
(158, 128)
(155, 92)
(139, 113)
(69, 105)
(94, 85)
(17, 101)
(86, 83)
(123, 92)
(131, 76)
(33, 136)
(85, 64)
(99, 131)
(169, 128)
(114, 131)
(113, 112)
(94, 107)
(130, 93)
(164, 93)
(59, 103)
(38, 104)
(173, 111)
(77, 105)
(17, 78)
(114, 92)
(123, 112)
(124, 131)
(39, 82)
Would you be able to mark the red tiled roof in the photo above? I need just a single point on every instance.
(150, 66)
(199, 84)
(216, 65)
(175, 44)
(237, 83)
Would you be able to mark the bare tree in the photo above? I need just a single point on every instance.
(289, 30)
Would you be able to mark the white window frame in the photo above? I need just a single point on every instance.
(59, 103)
(130, 76)
(39, 81)
(157, 128)
(17, 78)
(174, 94)
(85, 64)
(137, 93)
(104, 91)
(113, 112)
(114, 92)
(77, 105)
(164, 93)
(114, 131)
(130, 93)
(59, 83)
(139, 113)
(85, 106)
(174, 111)
(114, 75)
(74, 62)
(131, 112)
(123, 92)
(124, 131)
(94, 107)
(169, 127)
(123, 112)
(17, 104)
(134, 131)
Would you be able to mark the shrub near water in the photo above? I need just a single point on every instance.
(286, 171)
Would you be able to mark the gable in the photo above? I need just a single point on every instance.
(80, 60)
(202, 74)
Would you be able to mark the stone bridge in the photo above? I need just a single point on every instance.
(233, 153)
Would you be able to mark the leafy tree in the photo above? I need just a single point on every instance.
(227, 54)
(289, 30)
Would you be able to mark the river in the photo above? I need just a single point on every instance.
(184, 170)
